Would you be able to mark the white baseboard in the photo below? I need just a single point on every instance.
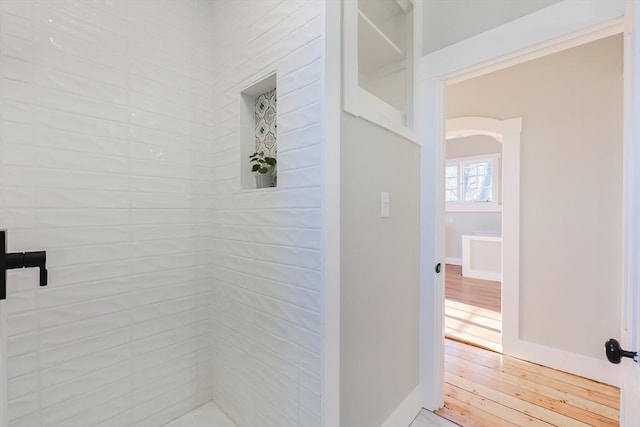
(453, 261)
(484, 275)
(596, 369)
(406, 411)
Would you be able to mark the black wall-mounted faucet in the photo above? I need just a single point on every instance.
(13, 260)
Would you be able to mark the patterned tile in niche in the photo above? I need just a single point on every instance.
(266, 126)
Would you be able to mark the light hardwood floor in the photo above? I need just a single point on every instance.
(472, 309)
(484, 388)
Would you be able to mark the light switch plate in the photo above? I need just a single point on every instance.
(384, 204)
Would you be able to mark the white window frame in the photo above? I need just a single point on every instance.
(495, 205)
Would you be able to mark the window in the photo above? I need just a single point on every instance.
(451, 184)
(471, 183)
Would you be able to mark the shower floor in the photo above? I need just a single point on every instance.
(208, 415)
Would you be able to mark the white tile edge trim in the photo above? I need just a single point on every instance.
(407, 411)
(331, 115)
(436, 420)
(4, 422)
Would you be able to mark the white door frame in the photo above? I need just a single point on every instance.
(561, 26)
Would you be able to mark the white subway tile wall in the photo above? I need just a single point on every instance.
(266, 243)
(106, 126)
(119, 155)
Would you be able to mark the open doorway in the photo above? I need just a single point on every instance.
(473, 230)
(569, 186)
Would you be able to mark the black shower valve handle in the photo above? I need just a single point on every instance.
(14, 260)
(29, 260)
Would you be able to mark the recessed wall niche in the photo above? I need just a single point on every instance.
(259, 133)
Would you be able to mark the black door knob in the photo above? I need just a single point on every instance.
(615, 353)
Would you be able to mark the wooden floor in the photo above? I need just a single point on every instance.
(472, 309)
(484, 388)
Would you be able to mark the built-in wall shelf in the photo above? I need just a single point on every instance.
(381, 43)
(258, 132)
(376, 49)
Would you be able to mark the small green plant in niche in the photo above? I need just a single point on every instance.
(265, 169)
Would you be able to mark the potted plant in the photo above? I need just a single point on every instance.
(265, 169)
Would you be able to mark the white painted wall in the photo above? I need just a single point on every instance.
(571, 105)
(106, 124)
(459, 223)
(266, 259)
(380, 272)
(449, 21)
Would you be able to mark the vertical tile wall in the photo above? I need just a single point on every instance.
(266, 243)
(106, 125)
